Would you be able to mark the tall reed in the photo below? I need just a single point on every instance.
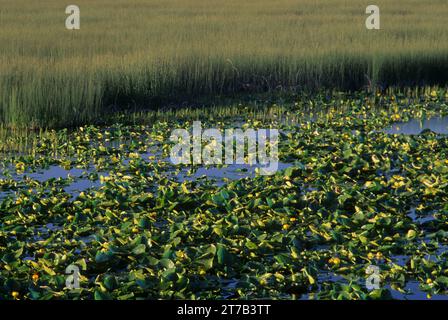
(140, 53)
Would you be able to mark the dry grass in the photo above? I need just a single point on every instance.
(131, 52)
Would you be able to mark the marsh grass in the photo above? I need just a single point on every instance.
(142, 54)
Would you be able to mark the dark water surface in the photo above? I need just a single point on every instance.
(438, 125)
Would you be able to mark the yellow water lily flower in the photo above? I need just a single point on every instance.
(20, 166)
(398, 184)
(114, 159)
(105, 179)
(335, 261)
(411, 234)
(406, 147)
(181, 255)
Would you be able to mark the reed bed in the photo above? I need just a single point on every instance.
(140, 54)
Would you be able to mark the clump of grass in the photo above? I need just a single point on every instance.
(144, 53)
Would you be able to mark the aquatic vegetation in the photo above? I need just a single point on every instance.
(140, 54)
(351, 196)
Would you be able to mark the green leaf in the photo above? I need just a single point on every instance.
(103, 257)
(140, 249)
(110, 282)
(206, 259)
(101, 295)
(290, 172)
(8, 258)
(283, 259)
(218, 231)
(380, 294)
(166, 263)
(144, 223)
(82, 263)
(442, 280)
(250, 245)
(309, 276)
(224, 257)
(48, 270)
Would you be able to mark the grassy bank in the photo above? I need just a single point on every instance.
(143, 53)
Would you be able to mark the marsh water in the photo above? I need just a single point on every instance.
(78, 180)
(438, 125)
(81, 181)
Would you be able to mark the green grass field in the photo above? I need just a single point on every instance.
(143, 53)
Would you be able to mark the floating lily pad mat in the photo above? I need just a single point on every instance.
(348, 196)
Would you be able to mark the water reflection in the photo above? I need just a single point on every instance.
(415, 126)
